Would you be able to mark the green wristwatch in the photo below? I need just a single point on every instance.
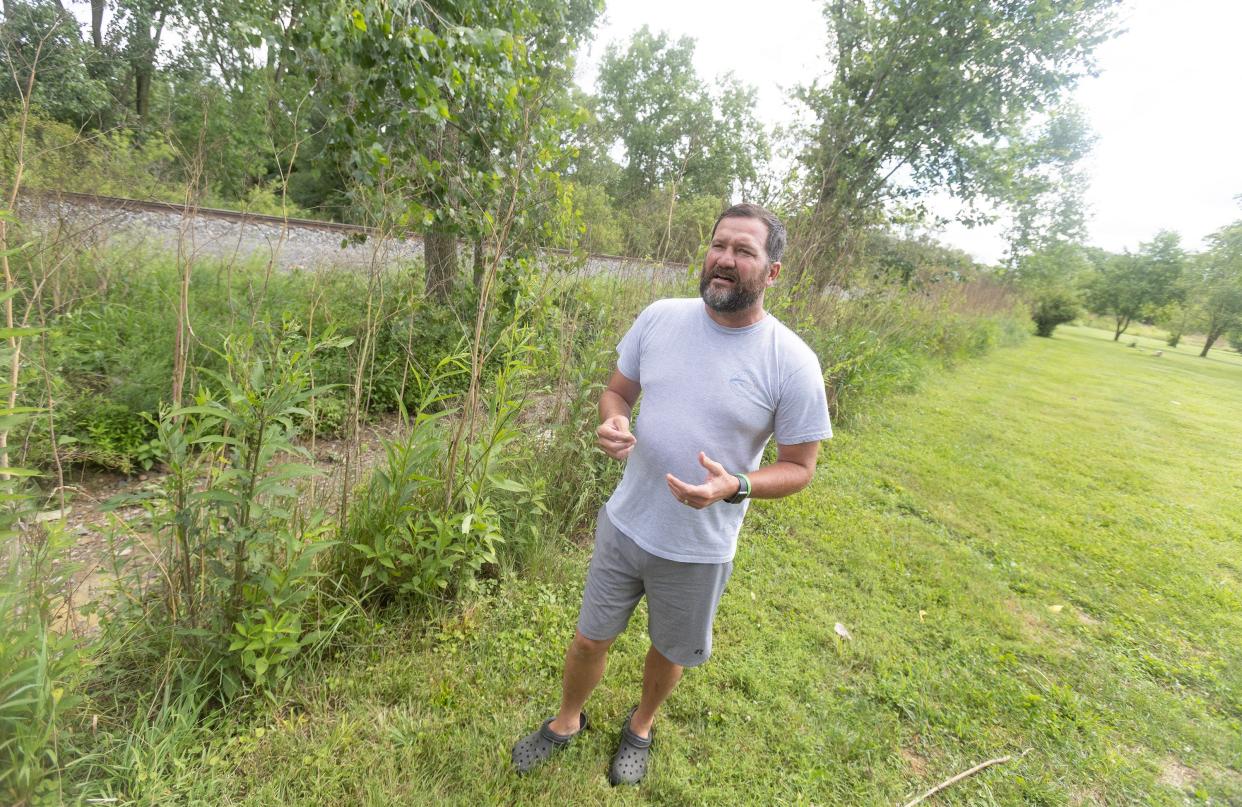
(743, 490)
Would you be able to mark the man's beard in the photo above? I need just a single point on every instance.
(738, 297)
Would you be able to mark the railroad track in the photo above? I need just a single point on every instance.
(122, 203)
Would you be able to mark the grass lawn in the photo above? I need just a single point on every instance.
(1038, 555)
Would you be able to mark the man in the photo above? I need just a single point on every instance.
(718, 378)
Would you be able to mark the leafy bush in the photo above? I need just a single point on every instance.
(113, 163)
(599, 228)
(1053, 307)
(236, 545)
(444, 501)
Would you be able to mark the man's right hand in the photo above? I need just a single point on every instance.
(615, 438)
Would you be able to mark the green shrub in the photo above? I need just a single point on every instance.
(112, 163)
(237, 545)
(1053, 307)
(439, 507)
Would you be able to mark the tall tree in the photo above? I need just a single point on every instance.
(677, 131)
(449, 107)
(141, 25)
(1039, 179)
(1217, 285)
(45, 33)
(923, 93)
(1131, 285)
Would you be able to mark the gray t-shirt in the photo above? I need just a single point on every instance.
(723, 391)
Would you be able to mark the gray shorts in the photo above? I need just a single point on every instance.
(681, 597)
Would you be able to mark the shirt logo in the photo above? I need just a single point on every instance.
(746, 386)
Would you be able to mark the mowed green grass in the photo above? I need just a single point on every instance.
(1038, 555)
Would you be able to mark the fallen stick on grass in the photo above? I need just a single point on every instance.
(958, 778)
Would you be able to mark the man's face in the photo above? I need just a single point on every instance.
(736, 269)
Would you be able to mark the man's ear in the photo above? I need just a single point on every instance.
(774, 270)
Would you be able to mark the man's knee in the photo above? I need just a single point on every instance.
(589, 648)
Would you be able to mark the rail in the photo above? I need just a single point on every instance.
(244, 217)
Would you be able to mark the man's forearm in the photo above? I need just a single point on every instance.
(612, 404)
(779, 479)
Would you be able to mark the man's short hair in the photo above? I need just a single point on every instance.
(775, 245)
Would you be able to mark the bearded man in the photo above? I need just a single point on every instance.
(718, 377)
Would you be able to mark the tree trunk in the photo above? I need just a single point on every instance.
(440, 255)
(142, 91)
(1207, 343)
(97, 12)
(143, 63)
(1122, 324)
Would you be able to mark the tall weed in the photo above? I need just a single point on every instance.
(39, 666)
(233, 544)
(426, 523)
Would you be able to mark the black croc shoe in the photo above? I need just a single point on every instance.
(629, 764)
(542, 743)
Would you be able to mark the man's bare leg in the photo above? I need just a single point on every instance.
(584, 666)
(659, 677)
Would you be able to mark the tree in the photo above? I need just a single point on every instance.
(1040, 181)
(64, 88)
(1056, 265)
(925, 94)
(676, 131)
(1130, 285)
(449, 107)
(1217, 286)
(141, 25)
(912, 261)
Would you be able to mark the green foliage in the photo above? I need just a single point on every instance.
(1054, 266)
(429, 519)
(914, 261)
(448, 114)
(701, 142)
(1052, 307)
(878, 341)
(42, 38)
(237, 546)
(1216, 285)
(116, 163)
(39, 667)
(109, 363)
(910, 97)
(601, 232)
(669, 226)
(1038, 178)
(580, 340)
(1130, 286)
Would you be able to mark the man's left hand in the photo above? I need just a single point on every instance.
(720, 485)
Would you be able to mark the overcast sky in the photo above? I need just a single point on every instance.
(1165, 108)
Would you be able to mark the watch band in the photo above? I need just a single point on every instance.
(743, 490)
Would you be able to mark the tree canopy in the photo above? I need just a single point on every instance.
(674, 128)
(930, 95)
(1130, 285)
(1217, 285)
